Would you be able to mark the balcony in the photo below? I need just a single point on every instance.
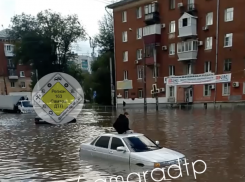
(12, 74)
(149, 54)
(187, 50)
(190, 8)
(125, 84)
(9, 50)
(187, 26)
(152, 14)
(152, 34)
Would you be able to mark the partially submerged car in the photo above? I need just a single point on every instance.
(134, 149)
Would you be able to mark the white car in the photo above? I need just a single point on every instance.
(133, 149)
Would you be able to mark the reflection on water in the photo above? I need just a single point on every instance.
(50, 153)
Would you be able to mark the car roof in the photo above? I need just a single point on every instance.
(115, 134)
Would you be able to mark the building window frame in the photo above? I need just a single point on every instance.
(171, 4)
(227, 65)
(140, 93)
(23, 85)
(171, 70)
(184, 22)
(12, 84)
(229, 14)
(209, 43)
(140, 72)
(171, 91)
(243, 88)
(172, 27)
(22, 74)
(125, 94)
(125, 75)
(209, 18)
(125, 36)
(206, 90)
(228, 40)
(189, 69)
(124, 16)
(226, 87)
(139, 33)
(187, 46)
(139, 54)
(125, 56)
(207, 67)
(155, 74)
(172, 49)
(139, 12)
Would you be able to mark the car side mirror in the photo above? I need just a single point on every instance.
(157, 142)
(121, 149)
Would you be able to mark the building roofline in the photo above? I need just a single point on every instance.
(120, 3)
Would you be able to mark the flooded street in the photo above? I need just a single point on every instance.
(30, 152)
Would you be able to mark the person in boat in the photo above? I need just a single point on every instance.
(121, 125)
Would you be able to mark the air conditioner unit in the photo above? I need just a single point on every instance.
(136, 62)
(163, 25)
(164, 48)
(212, 87)
(180, 5)
(205, 28)
(162, 89)
(235, 84)
(200, 43)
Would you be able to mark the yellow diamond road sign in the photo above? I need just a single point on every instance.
(58, 98)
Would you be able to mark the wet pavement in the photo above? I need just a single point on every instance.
(30, 152)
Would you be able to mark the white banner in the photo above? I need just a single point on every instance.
(198, 79)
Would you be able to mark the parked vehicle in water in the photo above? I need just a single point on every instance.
(16, 103)
(134, 149)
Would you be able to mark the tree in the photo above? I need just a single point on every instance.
(45, 41)
(101, 66)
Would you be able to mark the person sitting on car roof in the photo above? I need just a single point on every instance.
(121, 125)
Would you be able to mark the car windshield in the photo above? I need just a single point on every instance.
(140, 144)
(27, 104)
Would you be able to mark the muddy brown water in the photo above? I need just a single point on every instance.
(50, 153)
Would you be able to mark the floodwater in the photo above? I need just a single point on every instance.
(50, 153)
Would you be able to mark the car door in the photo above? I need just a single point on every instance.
(101, 147)
(118, 155)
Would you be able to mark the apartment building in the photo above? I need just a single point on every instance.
(12, 78)
(184, 38)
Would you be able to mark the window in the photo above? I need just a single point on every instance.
(139, 33)
(207, 66)
(125, 36)
(172, 49)
(189, 69)
(149, 51)
(184, 22)
(22, 74)
(171, 4)
(155, 73)
(243, 88)
(125, 75)
(227, 65)
(103, 142)
(125, 56)
(139, 54)
(150, 8)
(140, 144)
(139, 12)
(124, 16)
(226, 89)
(171, 70)
(209, 18)
(140, 72)
(92, 143)
(125, 94)
(228, 40)
(207, 90)
(116, 142)
(229, 13)
(172, 27)
(23, 85)
(140, 93)
(171, 91)
(187, 46)
(12, 84)
(209, 43)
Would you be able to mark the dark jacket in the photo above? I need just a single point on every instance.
(121, 125)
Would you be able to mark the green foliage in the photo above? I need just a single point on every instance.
(45, 41)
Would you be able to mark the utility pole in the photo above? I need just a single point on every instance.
(144, 75)
(112, 85)
(156, 74)
(4, 81)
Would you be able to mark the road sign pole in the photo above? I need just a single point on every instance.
(156, 75)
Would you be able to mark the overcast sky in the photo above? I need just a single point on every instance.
(88, 11)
